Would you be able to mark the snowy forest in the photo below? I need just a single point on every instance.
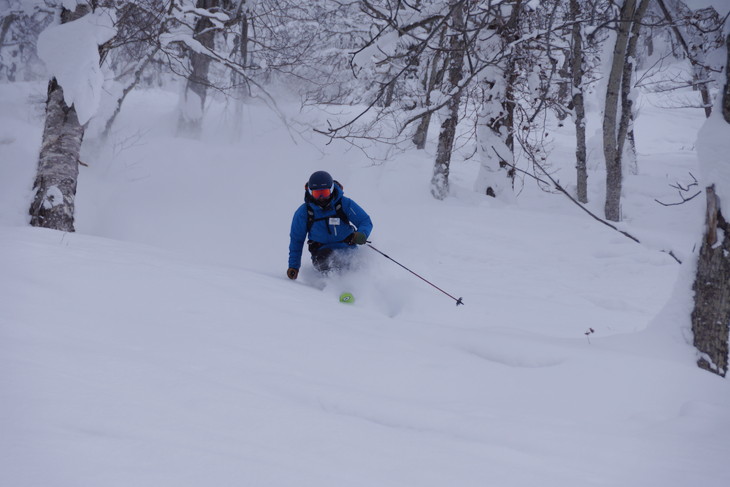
(562, 164)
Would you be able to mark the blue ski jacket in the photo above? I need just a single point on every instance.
(327, 227)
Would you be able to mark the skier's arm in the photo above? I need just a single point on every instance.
(359, 218)
(297, 235)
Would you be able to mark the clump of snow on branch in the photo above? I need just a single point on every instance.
(70, 52)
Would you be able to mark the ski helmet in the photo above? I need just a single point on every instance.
(320, 187)
(320, 180)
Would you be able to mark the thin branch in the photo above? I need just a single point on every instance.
(682, 190)
(684, 200)
(560, 188)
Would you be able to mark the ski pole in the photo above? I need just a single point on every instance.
(458, 301)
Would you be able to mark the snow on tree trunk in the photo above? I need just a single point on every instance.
(626, 138)
(495, 137)
(440, 179)
(711, 313)
(193, 97)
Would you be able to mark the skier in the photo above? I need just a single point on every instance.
(328, 217)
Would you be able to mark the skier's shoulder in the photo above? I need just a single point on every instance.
(301, 210)
(350, 204)
(345, 201)
(299, 220)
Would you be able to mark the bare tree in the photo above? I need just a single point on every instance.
(455, 63)
(433, 78)
(241, 56)
(579, 116)
(196, 88)
(617, 110)
(495, 135)
(477, 45)
(697, 33)
(135, 48)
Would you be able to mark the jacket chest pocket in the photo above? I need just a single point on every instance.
(334, 222)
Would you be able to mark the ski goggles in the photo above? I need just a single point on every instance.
(318, 194)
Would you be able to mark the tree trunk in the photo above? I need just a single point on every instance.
(626, 123)
(630, 158)
(58, 163)
(435, 78)
(726, 92)
(440, 179)
(649, 44)
(193, 98)
(579, 109)
(701, 81)
(611, 115)
(389, 89)
(711, 313)
(564, 96)
(496, 132)
(240, 84)
(4, 28)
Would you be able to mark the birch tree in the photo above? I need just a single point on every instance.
(618, 104)
(447, 133)
(432, 78)
(579, 111)
(68, 108)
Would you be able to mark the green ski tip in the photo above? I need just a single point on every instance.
(347, 298)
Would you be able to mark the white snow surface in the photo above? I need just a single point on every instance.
(162, 344)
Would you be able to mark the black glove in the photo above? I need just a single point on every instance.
(313, 246)
(356, 238)
(292, 273)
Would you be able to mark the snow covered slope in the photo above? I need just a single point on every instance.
(162, 344)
